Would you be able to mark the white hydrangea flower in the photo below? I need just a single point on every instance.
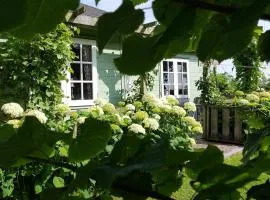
(148, 98)
(191, 121)
(165, 108)
(100, 102)
(197, 129)
(140, 115)
(243, 102)
(156, 116)
(15, 123)
(108, 108)
(38, 114)
(151, 123)
(136, 128)
(130, 107)
(179, 111)
(62, 108)
(252, 98)
(126, 119)
(81, 120)
(192, 141)
(96, 111)
(117, 118)
(171, 100)
(14, 110)
(190, 106)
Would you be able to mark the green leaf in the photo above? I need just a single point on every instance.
(12, 14)
(264, 46)
(137, 51)
(260, 192)
(38, 189)
(224, 36)
(41, 15)
(124, 149)
(6, 132)
(209, 158)
(58, 182)
(124, 20)
(93, 138)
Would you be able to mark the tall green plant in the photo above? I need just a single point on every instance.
(32, 71)
(247, 64)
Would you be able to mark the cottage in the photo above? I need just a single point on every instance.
(95, 76)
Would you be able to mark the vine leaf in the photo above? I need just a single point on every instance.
(124, 20)
(93, 138)
(31, 138)
(58, 182)
(260, 192)
(224, 36)
(137, 51)
(264, 46)
(39, 16)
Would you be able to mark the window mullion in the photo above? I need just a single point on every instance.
(175, 78)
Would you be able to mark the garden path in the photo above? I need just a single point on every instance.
(228, 149)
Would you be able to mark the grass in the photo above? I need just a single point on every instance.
(186, 192)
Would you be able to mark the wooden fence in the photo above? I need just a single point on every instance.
(222, 124)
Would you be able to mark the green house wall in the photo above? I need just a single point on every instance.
(112, 86)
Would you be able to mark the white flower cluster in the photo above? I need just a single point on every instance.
(108, 108)
(130, 107)
(62, 108)
(252, 98)
(13, 110)
(81, 120)
(96, 111)
(243, 102)
(179, 111)
(38, 114)
(171, 100)
(136, 128)
(190, 106)
(15, 123)
(151, 123)
(100, 102)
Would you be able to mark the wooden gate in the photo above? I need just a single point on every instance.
(222, 124)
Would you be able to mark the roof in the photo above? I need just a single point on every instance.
(91, 11)
(87, 16)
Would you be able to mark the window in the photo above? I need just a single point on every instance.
(175, 77)
(82, 81)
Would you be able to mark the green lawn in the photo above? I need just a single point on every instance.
(186, 192)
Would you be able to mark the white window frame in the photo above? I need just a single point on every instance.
(78, 103)
(175, 60)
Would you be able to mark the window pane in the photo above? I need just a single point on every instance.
(165, 66)
(166, 78)
(171, 90)
(180, 91)
(76, 91)
(184, 78)
(76, 50)
(184, 67)
(76, 75)
(185, 92)
(180, 80)
(171, 78)
(87, 72)
(166, 90)
(179, 67)
(86, 53)
(170, 66)
(87, 91)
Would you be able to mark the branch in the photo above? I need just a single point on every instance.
(51, 162)
(215, 7)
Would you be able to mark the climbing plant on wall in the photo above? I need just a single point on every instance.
(32, 70)
(247, 64)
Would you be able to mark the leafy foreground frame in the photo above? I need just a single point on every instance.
(213, 30)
